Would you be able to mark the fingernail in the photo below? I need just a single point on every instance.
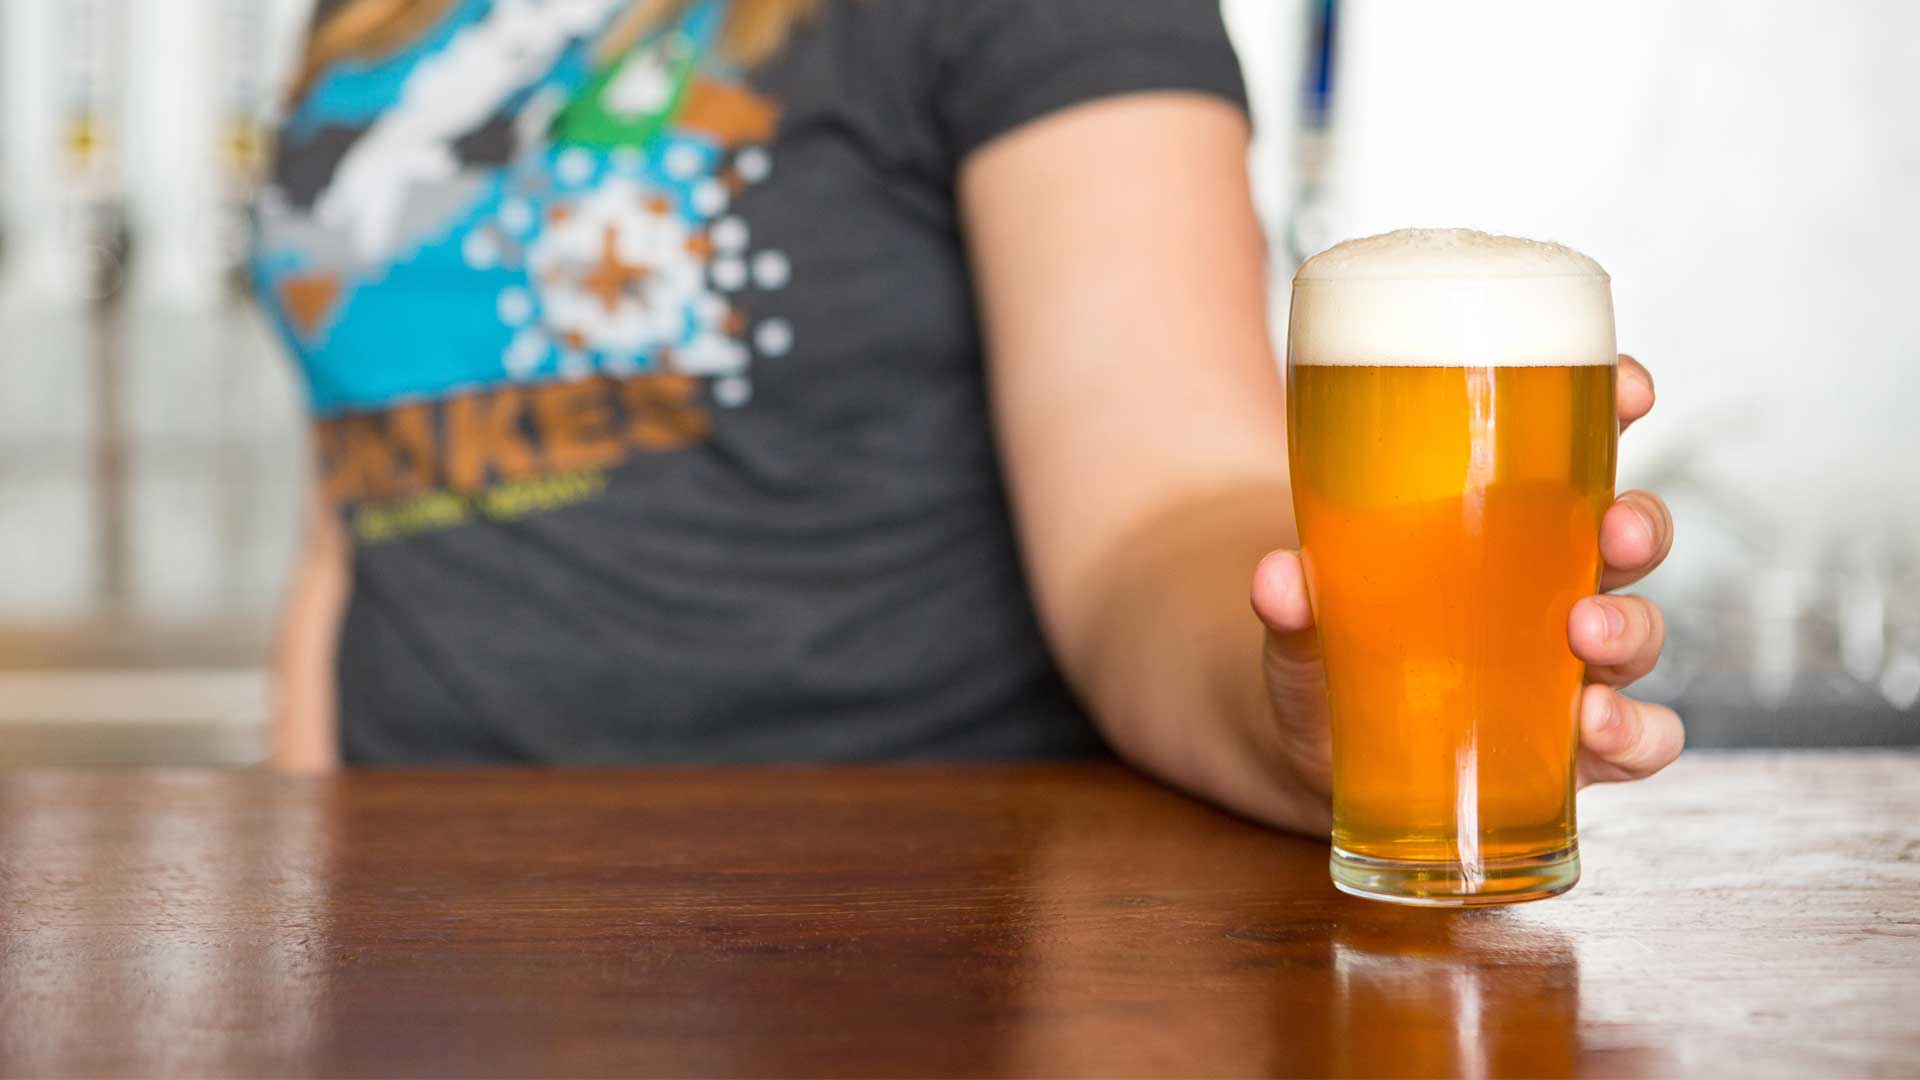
(1647, 527)
(1616, 620)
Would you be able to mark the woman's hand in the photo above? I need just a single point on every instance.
(1144, 431)
(1619, 638)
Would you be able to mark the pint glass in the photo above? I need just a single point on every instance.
(1453, 433)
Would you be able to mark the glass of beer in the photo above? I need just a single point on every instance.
(1453, 434)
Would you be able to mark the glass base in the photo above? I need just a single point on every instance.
(1449, 884)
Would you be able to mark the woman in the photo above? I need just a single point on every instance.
(781, 380)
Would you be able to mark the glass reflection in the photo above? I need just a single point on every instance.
(1418, 993)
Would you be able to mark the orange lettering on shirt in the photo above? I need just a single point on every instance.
(662, 413)
(484, 436)
(417, 457)
(361, 466)
(576, 425)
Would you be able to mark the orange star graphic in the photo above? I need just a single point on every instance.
(611, 279)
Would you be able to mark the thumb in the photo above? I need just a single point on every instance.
(1294, 676)
(1280, 594)
(1280, 600)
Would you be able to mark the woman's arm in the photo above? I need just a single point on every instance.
(1143, 424)
(305, 738)
(1141, 416)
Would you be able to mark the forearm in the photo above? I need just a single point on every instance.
(1170, 658)
(1142, 420)
(305, 731)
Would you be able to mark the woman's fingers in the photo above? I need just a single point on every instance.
(1635, 536)
(1619, 637)
(1624, 739)
(1633, 391)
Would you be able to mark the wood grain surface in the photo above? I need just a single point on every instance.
(1742, 915)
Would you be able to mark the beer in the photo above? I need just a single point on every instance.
(1451, 400)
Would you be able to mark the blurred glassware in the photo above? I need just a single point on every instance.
(89, 44)
(1309, 228)
(246, 103)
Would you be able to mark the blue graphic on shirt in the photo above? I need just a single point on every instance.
(604, 246)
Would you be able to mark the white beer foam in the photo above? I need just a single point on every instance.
(1451, 298)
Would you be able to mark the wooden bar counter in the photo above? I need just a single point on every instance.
(1742, 915)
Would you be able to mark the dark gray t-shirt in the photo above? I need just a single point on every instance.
(651, 389)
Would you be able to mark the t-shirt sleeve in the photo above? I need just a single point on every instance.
(324, 10)
(1001, 63)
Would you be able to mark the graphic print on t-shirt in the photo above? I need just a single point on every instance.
(507, 264)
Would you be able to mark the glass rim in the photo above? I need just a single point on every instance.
(1299, 282)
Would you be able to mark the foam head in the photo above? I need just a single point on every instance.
(1451, 298)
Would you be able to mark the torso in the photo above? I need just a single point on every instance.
(650, 392)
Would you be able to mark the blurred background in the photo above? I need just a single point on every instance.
(1749, 173)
